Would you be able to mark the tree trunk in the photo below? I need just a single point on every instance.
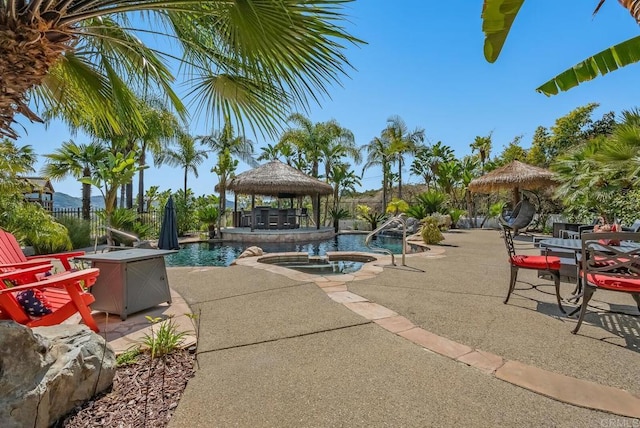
(129, 191)
(399, 180)
(122, 193)
(86, 196)
(142, 163)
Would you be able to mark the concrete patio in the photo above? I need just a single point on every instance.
(427, 344)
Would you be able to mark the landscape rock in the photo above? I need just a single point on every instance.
(47, 371)
(251, 252)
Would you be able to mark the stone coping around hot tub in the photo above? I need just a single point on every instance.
(368, 270)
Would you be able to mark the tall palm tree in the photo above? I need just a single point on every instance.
(402, 142)
(250, 59)
(226, 144)
(483, 146)
(161, 127)
(314, 142)
(379, 154)
(186, 156)
(78, 161)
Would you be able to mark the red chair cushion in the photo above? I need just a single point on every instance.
(536, 262)
(616, 284)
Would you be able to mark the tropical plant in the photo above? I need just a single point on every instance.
(209, 215)
(432, 201)
(228, 146)
(373, 218)
(161, 126)
(401, 142)
(251, 59)
(417, 211)
(164, 338)
(498, 16)
(379, 154)
(483, 146)
(186, 156)
(455, 214)
(397, 206)
(110, 172)
(79, 231)
(430, 231)
(78, 161)
(338, 214)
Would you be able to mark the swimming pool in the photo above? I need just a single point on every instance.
(216, 254)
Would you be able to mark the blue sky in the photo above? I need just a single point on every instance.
(424, 62)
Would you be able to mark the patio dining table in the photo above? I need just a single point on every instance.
(570, 253)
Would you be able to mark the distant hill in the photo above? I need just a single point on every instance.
(62, 200)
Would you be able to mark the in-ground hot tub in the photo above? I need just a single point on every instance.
(333, 263)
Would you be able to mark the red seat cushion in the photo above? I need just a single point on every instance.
(536, 262)
(615, 283)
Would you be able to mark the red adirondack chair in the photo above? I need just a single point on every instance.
(66, 294)
(12, 257)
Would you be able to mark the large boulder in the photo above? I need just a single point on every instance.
(47, 371)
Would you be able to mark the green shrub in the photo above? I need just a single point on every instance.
(128, 357)
(430, 231)
(164, 339)
(79, 231)
(338, 214)
(455, 214)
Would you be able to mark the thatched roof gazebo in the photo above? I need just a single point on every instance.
(278, 179)
(515, 175)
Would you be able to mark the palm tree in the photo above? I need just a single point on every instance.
(378, 154)
(483, 146)
(161, 127)
(226, 143)
(14, 161)
(78, 161)
(186, 156)
(498, 16)
(269, 153)
(402, 142)
(316, 143)
(249, 59)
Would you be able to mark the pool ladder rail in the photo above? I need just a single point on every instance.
(370, 236)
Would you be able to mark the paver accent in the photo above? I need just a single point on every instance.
(395, 324)
(334, 288)
(371, 311)
(485, 361)
(570, 390)
(435, 343)
(346, 297)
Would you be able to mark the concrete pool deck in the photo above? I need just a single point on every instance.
(427, 344)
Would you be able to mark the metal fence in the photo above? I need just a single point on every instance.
(153, 219)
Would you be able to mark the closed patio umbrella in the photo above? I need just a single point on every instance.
(168, 239)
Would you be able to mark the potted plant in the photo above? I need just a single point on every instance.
(209, 215)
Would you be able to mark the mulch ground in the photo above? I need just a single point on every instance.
(144, 394)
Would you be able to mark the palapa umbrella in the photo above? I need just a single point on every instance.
(515, 175)
(278, 179)
(275, 179)
(168, 239)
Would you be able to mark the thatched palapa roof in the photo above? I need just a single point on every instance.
(513, 175)
(276, 178)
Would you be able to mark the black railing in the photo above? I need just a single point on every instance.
(153, 219)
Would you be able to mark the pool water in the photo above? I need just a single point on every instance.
(216, 254)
